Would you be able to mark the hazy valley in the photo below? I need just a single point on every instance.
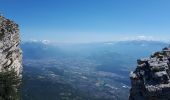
(94, 71)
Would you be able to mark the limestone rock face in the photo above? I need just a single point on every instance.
(10, 52)
(151, 78)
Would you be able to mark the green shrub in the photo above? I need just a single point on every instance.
(2, 33)
(9, 86)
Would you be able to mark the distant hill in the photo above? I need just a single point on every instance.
(39, 50)
(36, 50)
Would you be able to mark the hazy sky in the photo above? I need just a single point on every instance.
(89, 20)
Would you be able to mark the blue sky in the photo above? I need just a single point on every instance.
(89, 20)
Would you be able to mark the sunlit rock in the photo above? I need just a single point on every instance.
(151, 78)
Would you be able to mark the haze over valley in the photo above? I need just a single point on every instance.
(84, 49)
(93, 71)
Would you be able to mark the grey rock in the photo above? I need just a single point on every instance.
(151, 78)
(10, 52)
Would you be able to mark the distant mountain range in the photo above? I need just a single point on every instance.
(139, 48)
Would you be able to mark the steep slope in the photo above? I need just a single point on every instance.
(151, 78)
(10, 52)
(10, 60)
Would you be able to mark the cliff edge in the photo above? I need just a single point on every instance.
(10, 52)
(151, 78)
(10, 60)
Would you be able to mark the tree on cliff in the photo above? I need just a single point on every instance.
(9, 86)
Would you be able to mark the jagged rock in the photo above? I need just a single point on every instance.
(10, 52)
(151, 78)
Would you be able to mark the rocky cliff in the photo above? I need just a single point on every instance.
(151, 78)
(10, 52)
(10, 60)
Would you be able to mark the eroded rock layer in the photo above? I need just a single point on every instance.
(151, 78)
(10, 52)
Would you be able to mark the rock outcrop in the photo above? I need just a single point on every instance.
(151, 78)
(10, 52)
(10, 60)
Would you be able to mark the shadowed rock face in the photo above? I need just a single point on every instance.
(151, 78)
(10, 52)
